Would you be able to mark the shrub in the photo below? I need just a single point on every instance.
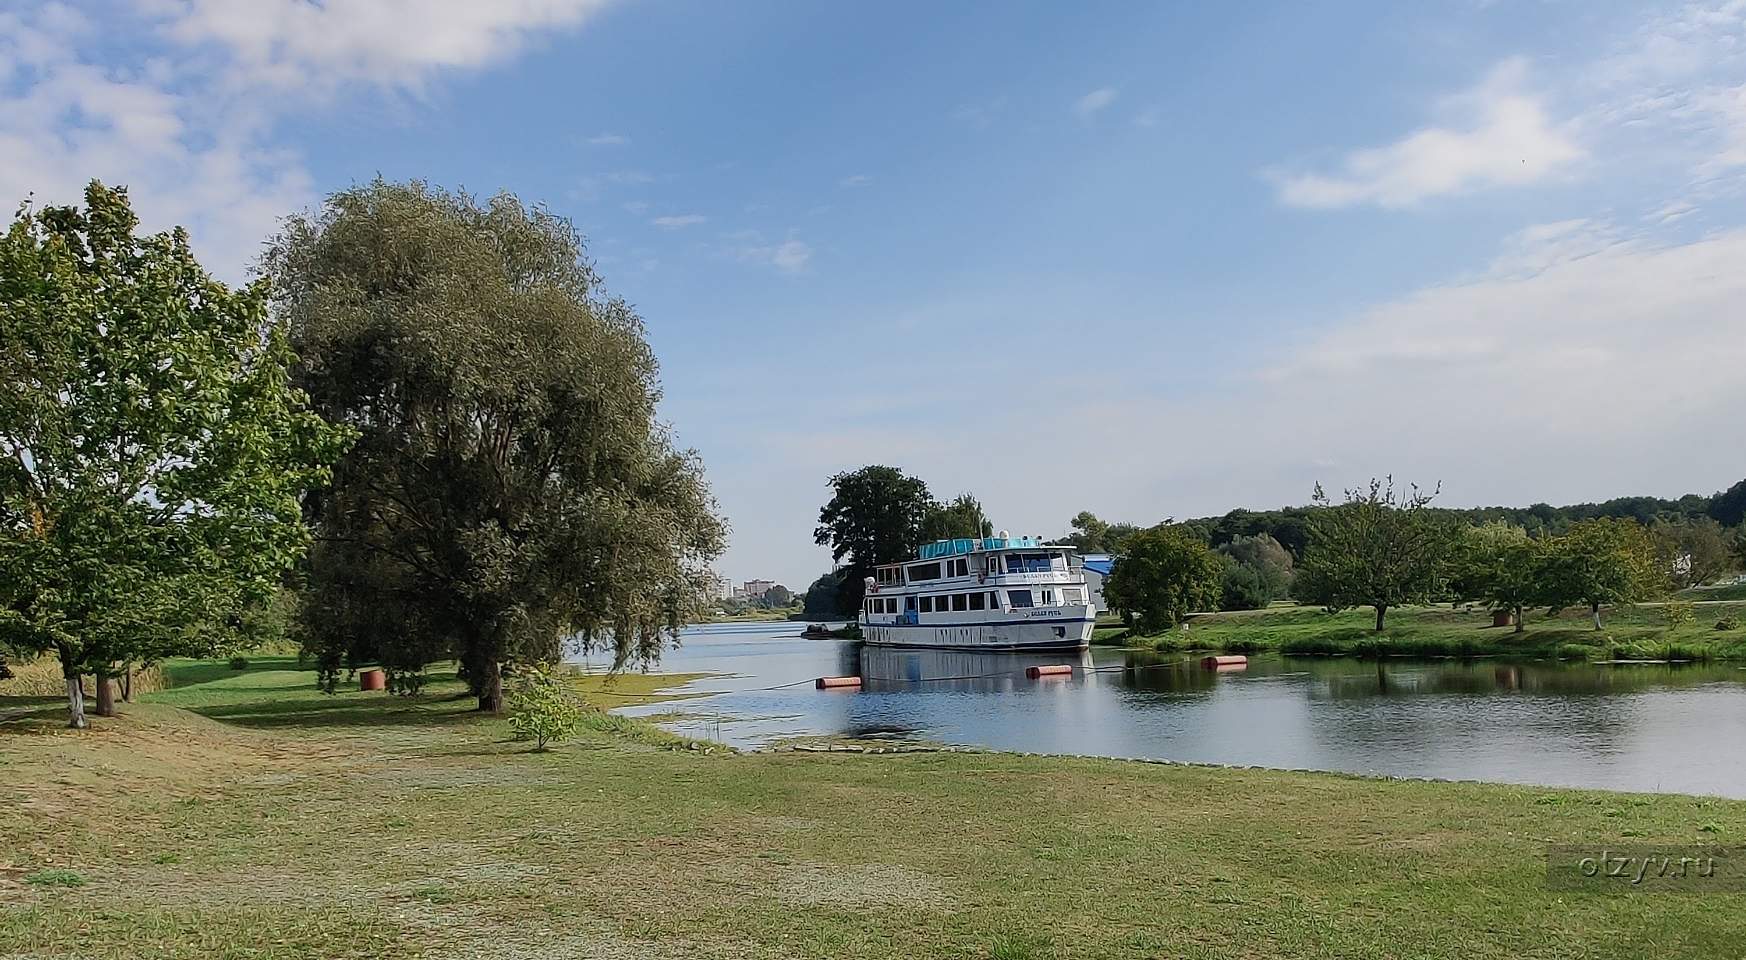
(1242, 588)
(1240, 645)
(1576, 651)
(1727, 623)
(239, 662)
(1676, 613)
(544, 708)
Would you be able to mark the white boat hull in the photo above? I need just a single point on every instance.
(1043, 629)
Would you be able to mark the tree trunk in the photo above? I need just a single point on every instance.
(105, 694)
(1519, 618)
(1381, 612)
(1597, 620)
(491, 688)
(75, 703)
(127, 683)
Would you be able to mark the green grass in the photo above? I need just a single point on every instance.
(1632, 632)
(1734, 591)
(247, 815)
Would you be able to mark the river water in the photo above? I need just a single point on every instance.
(1650, 727)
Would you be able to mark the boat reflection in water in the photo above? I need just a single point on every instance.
(898, 669)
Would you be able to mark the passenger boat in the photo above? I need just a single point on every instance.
(992, 593)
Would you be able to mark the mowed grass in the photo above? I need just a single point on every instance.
(247, 815)
(1629, 632)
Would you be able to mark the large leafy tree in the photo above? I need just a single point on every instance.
(153, 447)
(1604, 561)
(1501, 565)
(875, 515)
(1258, 571)
(1164, 574)
(1728, 507)
(511, 488)
(1093, 535)
(1379, 548)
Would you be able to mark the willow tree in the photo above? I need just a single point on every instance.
(511, 488)
(152, 447)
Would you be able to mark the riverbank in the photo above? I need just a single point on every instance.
(1633, 633)
(245, 813)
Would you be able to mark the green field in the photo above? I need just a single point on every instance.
(245, 815)
(1638, 632)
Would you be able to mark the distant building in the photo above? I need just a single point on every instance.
(1097, 566)
(755, 589)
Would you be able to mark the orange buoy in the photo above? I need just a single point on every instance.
(372, 680)
(830, 683)
(1225, 660)
(1051, 670)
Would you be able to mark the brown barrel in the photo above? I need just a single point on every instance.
(372, 680)
(1225, 660)
(1049, 670)
(831, 683)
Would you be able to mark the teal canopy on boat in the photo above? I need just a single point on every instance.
(953, 548)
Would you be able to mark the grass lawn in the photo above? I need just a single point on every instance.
(246, 815)
(1632, 632)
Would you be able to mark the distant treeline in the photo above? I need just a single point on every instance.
(1290, 525)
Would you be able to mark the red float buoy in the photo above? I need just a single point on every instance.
(1225, 660)
(1050, 670)
(372, 680)
(831, 683)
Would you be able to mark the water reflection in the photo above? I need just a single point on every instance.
(1644, 727)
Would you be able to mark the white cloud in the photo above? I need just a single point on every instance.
(1094, 102)
(187, 123)
(789, 256)
(609, 140)
(854, 180)
(1507, 140)
(297, 44)
(681, 220)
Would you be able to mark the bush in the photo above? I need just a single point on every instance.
(1576, 651)
(1242, 588)
(544, 708)
(239, 662)
(1727, 623)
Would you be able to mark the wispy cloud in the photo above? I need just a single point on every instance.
(609, 140)
(1094, 102)
(678, 221)
(1508, 139)
(1148, 117)
(854, 180)
(789, 256)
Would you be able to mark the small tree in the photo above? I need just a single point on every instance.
(1259, 571)
(544, 707)
(1603, 561)
(1502, 566)
(152, 447)
(1165, 573)
(1378, 549)
(1694, 551)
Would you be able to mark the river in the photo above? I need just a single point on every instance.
(1648, 727)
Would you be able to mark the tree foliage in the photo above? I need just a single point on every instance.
(1500, 565)
(1694, 551)
(1165, 573)
(1728, 507)
(154, 449)
(511, 488)
(1380, 548)
(1601, 562)
(1259, 570)
(1092, 535)
(962, 518)
(543, 706)
(820, 600)
(875, 515)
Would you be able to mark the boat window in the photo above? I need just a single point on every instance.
(1048, 598)
(993, 600)
(978, 600)
(1018, 598)
(924, 571)
(992, 562)
(909, 603)
(927, 604)
(960, 602)
(891, 605)
(1072, 595)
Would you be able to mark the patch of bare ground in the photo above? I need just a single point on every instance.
(869, 884)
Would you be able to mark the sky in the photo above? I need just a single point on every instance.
(1150, 260)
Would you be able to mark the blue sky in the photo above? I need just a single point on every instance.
(1145, 259)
